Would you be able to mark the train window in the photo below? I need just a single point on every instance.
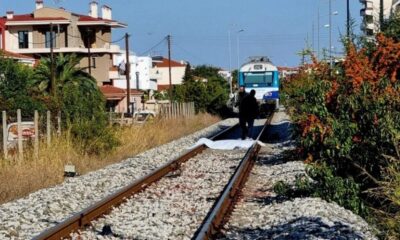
(259, 79)
(258, 67)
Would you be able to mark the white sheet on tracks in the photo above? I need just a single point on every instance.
(225, 144)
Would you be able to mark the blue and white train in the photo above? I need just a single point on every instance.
(262, 76)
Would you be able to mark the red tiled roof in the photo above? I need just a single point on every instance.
(136, 92)
(165, 63)
(288, 68)
(84, 18)
(16, 55)
(162, 87)
(110, 91)
(30, 17)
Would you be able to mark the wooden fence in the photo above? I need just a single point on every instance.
(16, 131)
(32, 130)
(176, 110)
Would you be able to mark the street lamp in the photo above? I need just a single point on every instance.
(335, 13)
(238, 50)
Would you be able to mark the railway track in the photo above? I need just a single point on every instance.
(161, 204)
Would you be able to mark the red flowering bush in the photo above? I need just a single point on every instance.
(350, 119)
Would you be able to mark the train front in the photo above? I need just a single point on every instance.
(263, 77)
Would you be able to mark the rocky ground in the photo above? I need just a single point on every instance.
(29, 216)
(174, 207)
(261, 214)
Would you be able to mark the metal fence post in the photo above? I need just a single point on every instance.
(36, 140)
(19, 128)
(59, 123)
(5, 134)
(48, 128)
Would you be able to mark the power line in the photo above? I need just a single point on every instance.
(154, 47)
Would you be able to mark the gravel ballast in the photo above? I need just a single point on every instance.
(261, 214)
(29, 216)
(174, 207)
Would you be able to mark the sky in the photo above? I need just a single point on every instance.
(200, 29)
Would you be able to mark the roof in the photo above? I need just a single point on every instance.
(162, 87)
(165, 63)
(82, 19)
(16, 55)
(112, 92)
(30, 17)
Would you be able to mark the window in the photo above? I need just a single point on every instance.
(258, 79)
(50, 37)
(93, 62)
(23, 39)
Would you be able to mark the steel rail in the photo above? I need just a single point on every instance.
(214, 219)
(83, 218)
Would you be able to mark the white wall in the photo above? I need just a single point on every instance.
(12, 37)
(140, 65)
(177, 74)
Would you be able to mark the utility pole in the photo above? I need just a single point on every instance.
(381, 9)
(52, 77)
(330, 35)
(348, 20)
(127, 74)
(318, 22)
(88, 45)
(169, 67)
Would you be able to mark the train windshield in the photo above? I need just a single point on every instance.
(264, 79)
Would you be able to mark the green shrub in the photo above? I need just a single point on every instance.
(325, 185)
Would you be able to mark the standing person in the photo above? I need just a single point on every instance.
(239, 96)
(248, 111)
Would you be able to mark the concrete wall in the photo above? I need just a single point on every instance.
(101, 71)
(177, 74)
(51, 12)
(12, 37)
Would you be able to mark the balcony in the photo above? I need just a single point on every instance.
(105, 49)
(366, 12)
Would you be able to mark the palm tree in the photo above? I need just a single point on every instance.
(66, 72)
(77, 93)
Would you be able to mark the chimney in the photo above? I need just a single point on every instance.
(94, 12)
(39, 4)
(10, 14)
(106, 12)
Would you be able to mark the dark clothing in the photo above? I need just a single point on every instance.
(246, 131)
(239, 98)
(248, 111)
(248, 108)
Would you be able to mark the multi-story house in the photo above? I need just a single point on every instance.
(89, 36)
(161, 67)
(371, 14)
(142, 76)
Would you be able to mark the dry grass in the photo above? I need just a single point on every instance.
(19, 178)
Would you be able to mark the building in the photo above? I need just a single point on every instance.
(143, 76)
(285, 72)
(116, 99)
(26, 60)
(371, 14)
(34, 34)
(161, 67)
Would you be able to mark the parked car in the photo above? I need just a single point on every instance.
(28, 132)
(143, 116)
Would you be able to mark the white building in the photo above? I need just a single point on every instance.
(142, 75)
(371, 13)
(177, 72)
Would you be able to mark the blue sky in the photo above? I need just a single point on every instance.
(200, 28)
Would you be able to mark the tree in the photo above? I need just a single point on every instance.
(79, 99)
(15, 88)
(205, 87)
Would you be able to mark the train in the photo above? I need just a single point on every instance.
(261, 75)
